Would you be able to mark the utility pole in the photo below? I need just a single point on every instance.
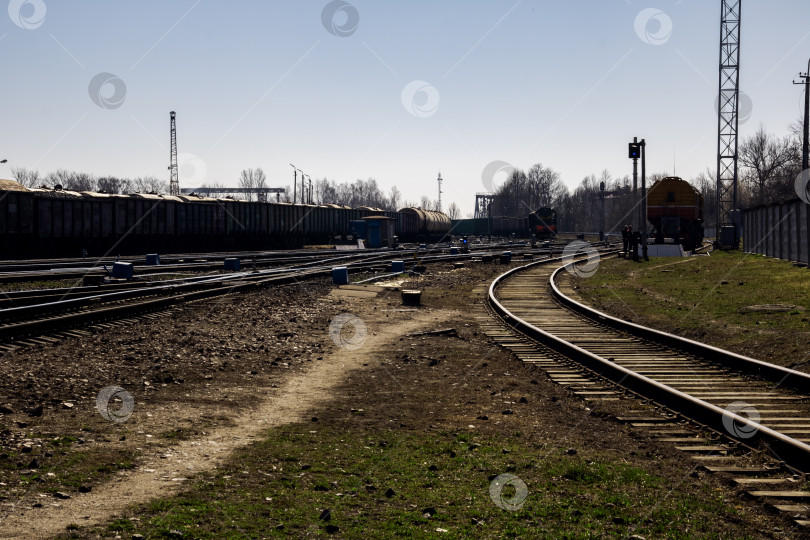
(634, 152)
(295, 182)
(174, 182)
(805, 146)
(643, 144)
(439, 180)
(635, 177)
(601, 211)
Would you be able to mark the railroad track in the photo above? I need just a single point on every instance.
(31, 318)
(35, 270)
(731, 414)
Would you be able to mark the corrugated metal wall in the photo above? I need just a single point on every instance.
(779, 231)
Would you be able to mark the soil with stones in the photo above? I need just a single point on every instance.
(209, 370)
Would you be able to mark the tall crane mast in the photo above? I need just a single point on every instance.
(174, 182)
(727, 124)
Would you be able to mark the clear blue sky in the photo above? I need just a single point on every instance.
(265, 84)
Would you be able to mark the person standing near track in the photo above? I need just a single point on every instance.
(626, 231)
(635, 242)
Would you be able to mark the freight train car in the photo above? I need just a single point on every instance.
(471, 227)
(508, 226)
(16, 217)
(407, 223)
(543, 223)
(429, 223)
(499, 226)
(55, 222)
(71, 221)
(675, 210)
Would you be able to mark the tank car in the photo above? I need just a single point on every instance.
(675, 210)
(429, 223)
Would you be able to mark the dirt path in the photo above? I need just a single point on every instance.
(165, 471)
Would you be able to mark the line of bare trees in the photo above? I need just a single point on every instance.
(353, 194)
(80, 181)
(768, 166)
(368, 193)
(577, 210)
(525, 192)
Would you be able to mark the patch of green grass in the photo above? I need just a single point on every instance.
(71, 467)
(279, 487)
(64, 441)
(706, 298)
(178, 434)
(121, 525)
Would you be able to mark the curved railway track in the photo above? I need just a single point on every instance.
(730, 413)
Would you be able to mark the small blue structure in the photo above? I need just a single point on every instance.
(122, 270)
(152, 259)
(453, 251)
(340, 275)
(232, 264)
(358, 228)
(506, 257)
(376, 231)
(397, 266)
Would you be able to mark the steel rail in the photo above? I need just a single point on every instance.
(51, 317)
(782, 376)
(785, 448)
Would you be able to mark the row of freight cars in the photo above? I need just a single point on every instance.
(542, 223)
(490, 226)
(51, 222)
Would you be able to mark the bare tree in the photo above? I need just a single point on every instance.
(426, 203)
(25, 177)
(80, 181)
(763, 157)
(453, 211)
(71, 180)
(60, 177)
(706, 184)
(394, 199)
(259, 178)
(252, 179)
(247, 181)
(150, 184)
(111, 184)
(325, 192)
(544, 185)
(523, 193)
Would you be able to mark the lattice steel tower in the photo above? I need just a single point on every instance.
(439, 205)
(174, 183)
(728, 102)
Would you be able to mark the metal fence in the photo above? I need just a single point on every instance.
(781, 231)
